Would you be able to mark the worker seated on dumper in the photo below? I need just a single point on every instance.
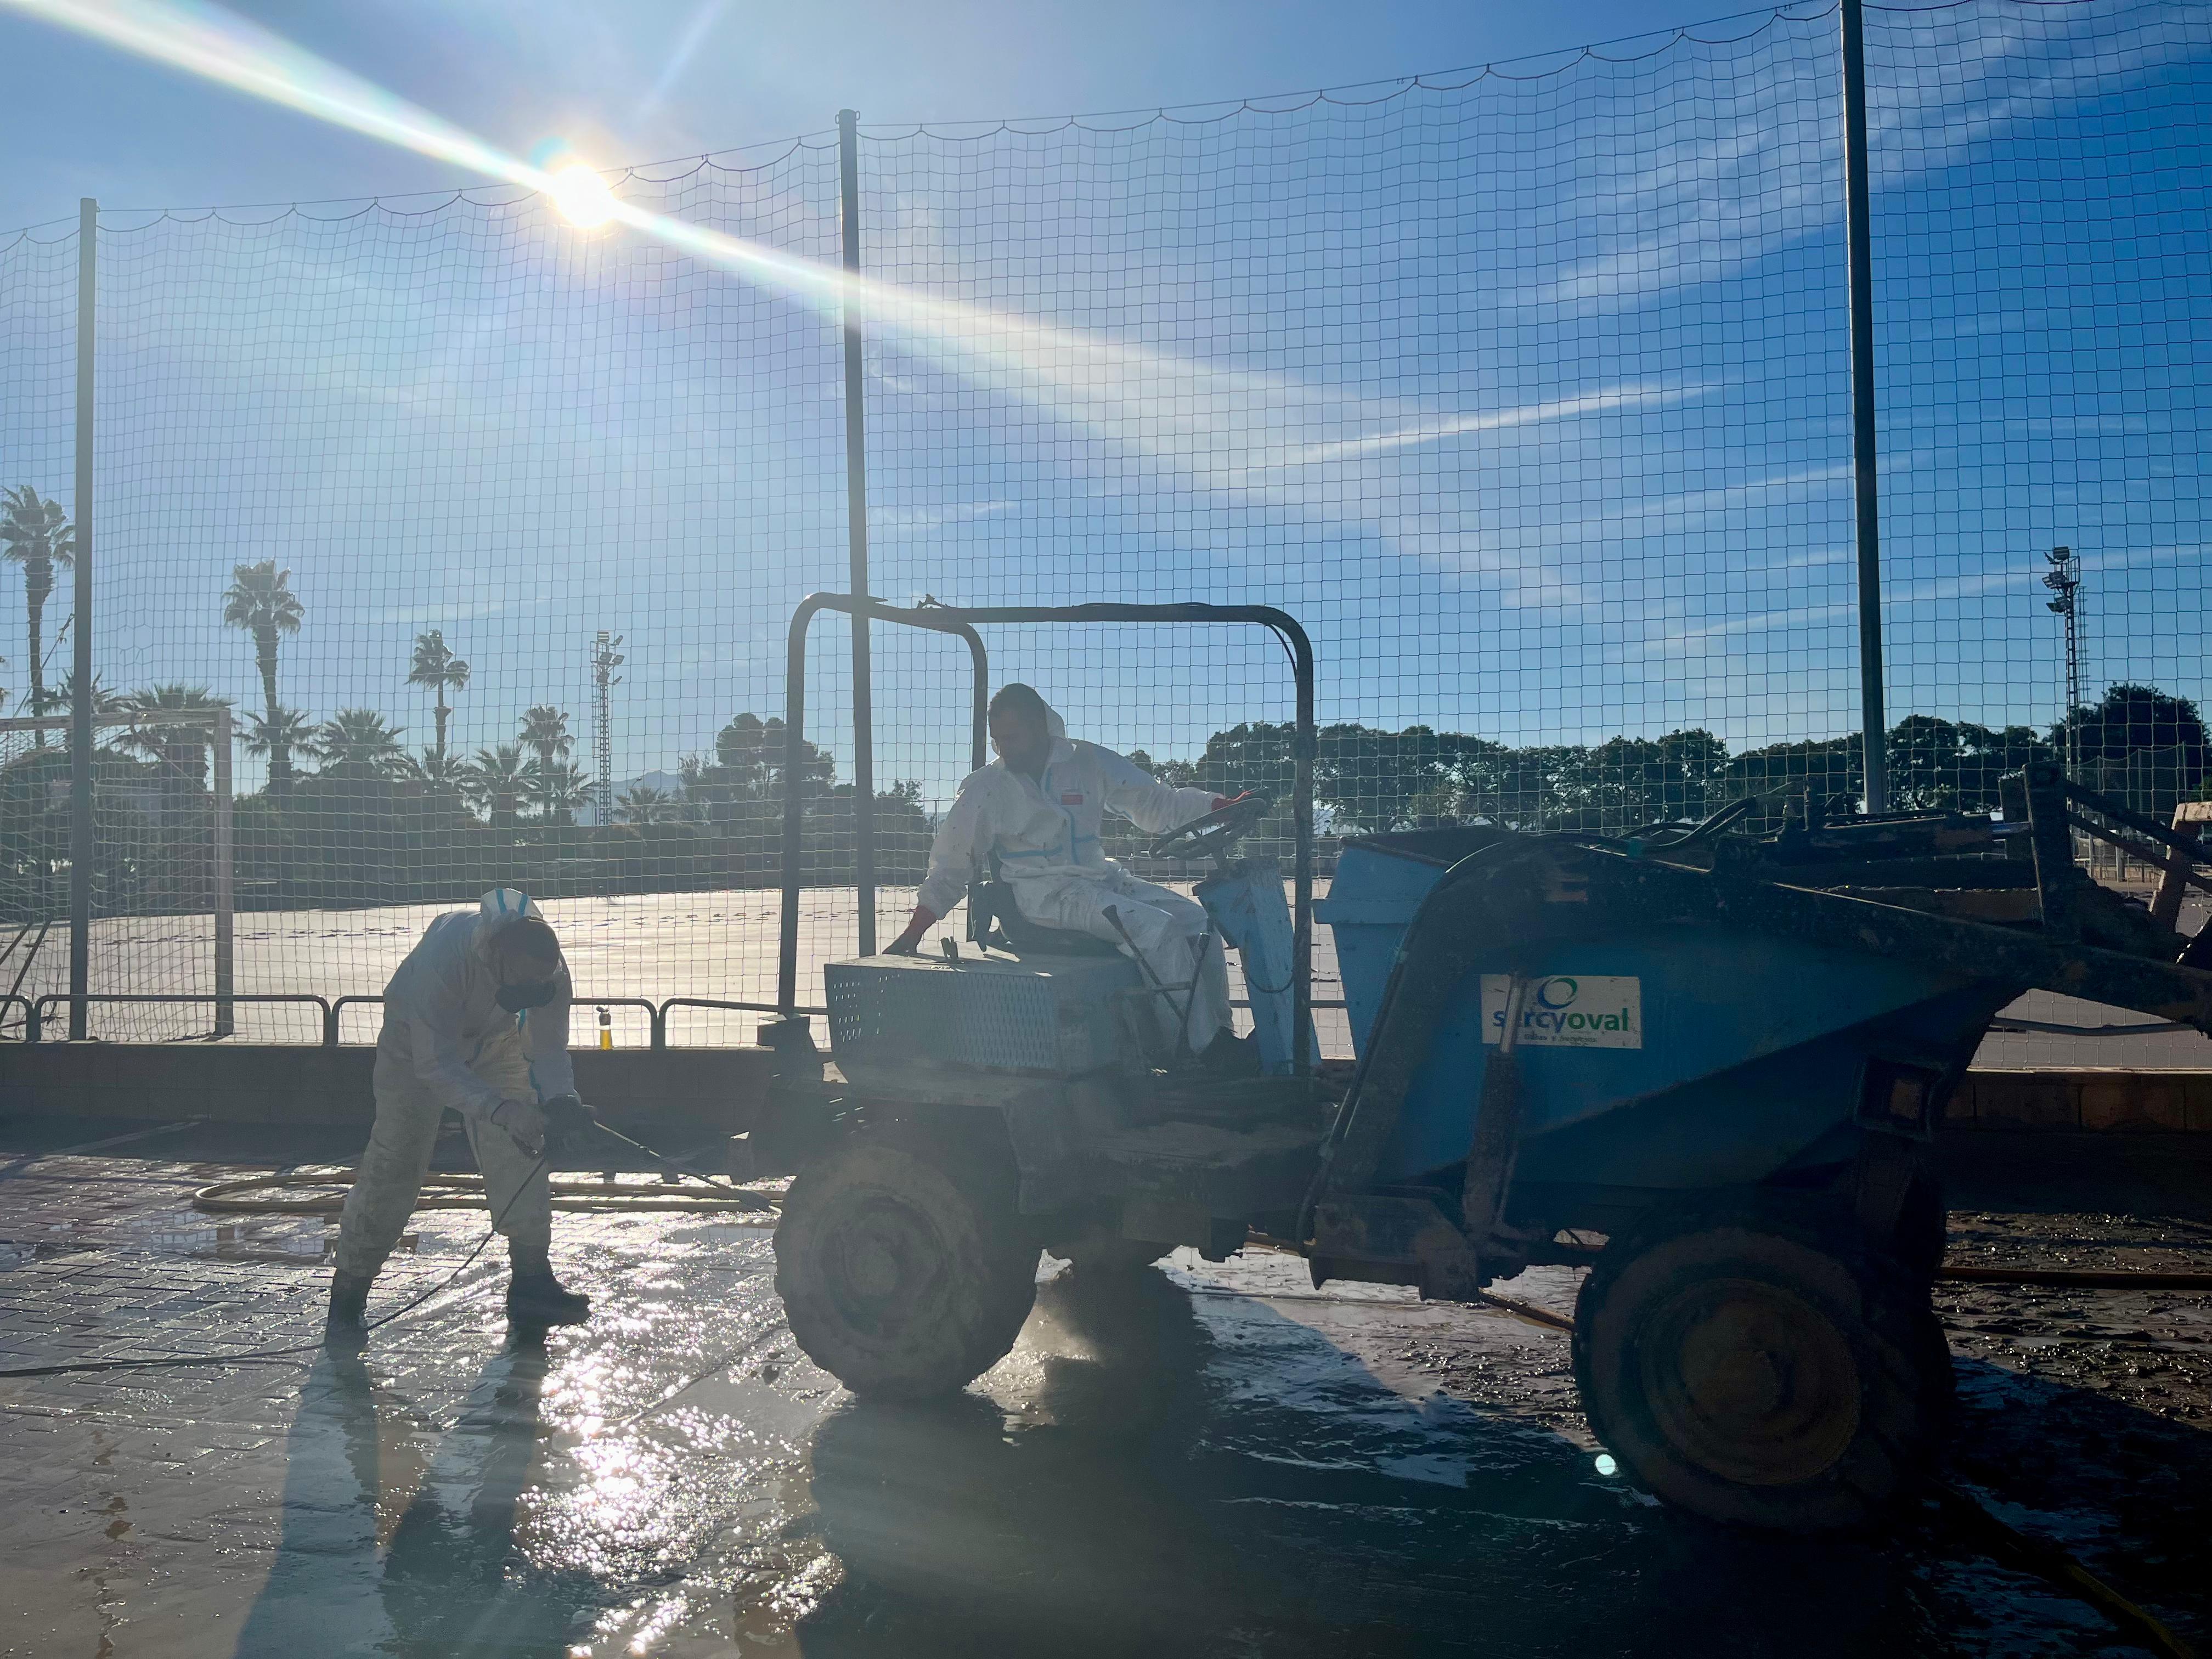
(476, 1019)
(1037, 808)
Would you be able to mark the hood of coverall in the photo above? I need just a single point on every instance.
(1055, 728)
(1055, 732)
(499, 911)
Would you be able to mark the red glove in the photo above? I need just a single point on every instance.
(1220, 801)
(908, 943)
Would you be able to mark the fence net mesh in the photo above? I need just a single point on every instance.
(1525, 389)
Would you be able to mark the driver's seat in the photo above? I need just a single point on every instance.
(995, 921)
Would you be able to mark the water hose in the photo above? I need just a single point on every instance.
(2008, 1544)
(466, 1192)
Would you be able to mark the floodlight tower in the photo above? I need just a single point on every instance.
(2064, 580)
(606, 659)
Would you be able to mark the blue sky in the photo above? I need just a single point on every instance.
(1526, 395)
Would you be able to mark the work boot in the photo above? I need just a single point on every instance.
(347, 1323)
(538, 1299)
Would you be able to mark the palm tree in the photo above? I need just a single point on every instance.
(359, 740)
(260, 600)
(560, 787)
(645, 805)
(438, 668)
(546, 729)
(439, 770)
(496, 779)
(104, 701)
(177, 747)
(42, 540)
(279, 735)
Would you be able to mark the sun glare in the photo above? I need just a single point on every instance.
(582, 196)
(1094, 381)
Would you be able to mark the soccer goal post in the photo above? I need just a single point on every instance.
(217, 723)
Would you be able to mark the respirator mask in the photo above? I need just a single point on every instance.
(527, 993)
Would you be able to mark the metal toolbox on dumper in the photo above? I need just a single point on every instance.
(1039, 1016)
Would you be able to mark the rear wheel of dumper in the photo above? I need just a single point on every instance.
(904, 1267)
(1760, 1366)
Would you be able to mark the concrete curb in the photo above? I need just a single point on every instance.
(717, 1089)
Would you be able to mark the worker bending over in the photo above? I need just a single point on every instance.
(1037, 808)
(477, 1019)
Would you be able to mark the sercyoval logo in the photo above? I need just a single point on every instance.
(1568, 1011)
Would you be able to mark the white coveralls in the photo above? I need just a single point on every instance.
(447, 1042)
(1045, 832)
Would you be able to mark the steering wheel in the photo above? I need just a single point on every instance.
(1212, 836)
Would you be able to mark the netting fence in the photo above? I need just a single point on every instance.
(1525, 389)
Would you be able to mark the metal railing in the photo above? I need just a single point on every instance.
(36, 1018)
(31, 1021)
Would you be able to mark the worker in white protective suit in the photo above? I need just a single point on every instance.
(1037, 809)
(476, 1019)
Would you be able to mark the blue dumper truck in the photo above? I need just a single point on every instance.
(1704, 1063)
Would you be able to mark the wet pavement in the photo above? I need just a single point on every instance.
(1216, 1459)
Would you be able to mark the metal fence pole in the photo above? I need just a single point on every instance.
(225, 1011)
(82, 849)
(1860, 252)
(856, 519)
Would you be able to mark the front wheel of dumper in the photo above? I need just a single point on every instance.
(903, 1267)
(1761, 1370)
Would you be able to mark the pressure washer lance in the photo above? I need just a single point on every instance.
(555, 1145)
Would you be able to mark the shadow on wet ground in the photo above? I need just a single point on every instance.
(1143, 1501)
(442, 1575)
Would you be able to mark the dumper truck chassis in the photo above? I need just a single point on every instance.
(1707, 1064)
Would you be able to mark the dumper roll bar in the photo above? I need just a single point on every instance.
(962, 622)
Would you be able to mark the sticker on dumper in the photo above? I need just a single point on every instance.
(1568, 1011)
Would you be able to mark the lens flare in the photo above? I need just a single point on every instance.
(582, 196)
(1262, 437)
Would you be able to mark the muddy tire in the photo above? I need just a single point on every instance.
(904, 1268)
(1759, 1366)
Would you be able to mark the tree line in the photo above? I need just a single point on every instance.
(348, 815)
(2136, 742)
